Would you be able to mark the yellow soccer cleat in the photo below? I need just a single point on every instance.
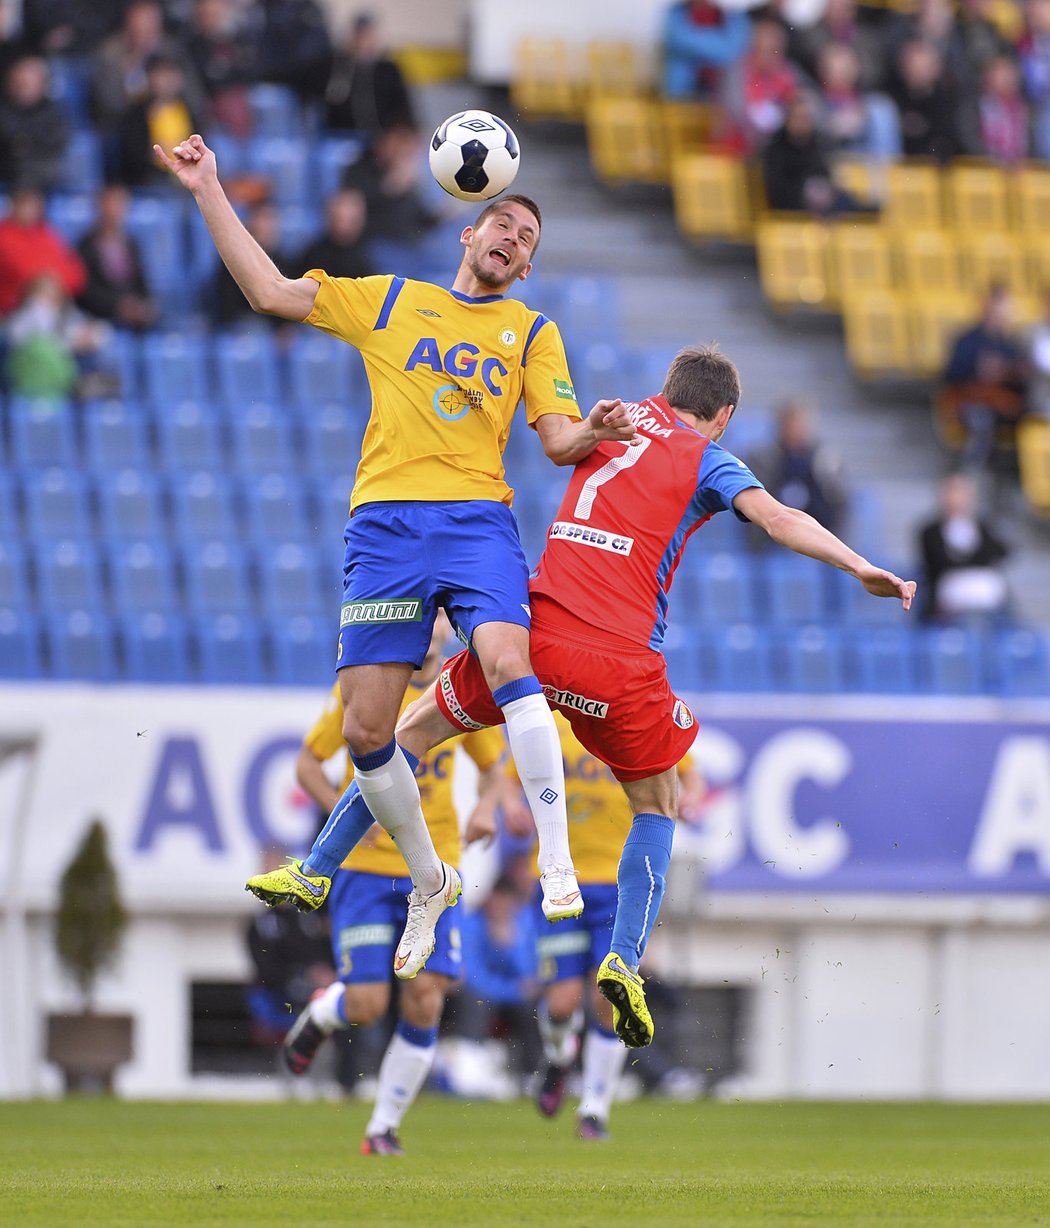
(288, 885)
(623, 988)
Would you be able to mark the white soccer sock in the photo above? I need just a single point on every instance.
(603, 1059)
(392, 795)
(403, 1072)
(326, 1010)
(559, 1036)
(534, 743)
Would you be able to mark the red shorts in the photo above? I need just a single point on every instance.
(617, 699)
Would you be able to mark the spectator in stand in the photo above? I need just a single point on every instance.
(852, 121)
(390, 177)
(982, 39)
(926, 103)
(758, 88)
(985, 382)
(52, 348)
(800, 470)
(229, 306)
(30, 248)
(366, 90)
(795, 171)
(65, 27)
(225, 53)
(1003, 113)
(1035, 67)
(700, 40)
(294, 48)
(340, 250)
(164, 117)
(116, 287)
(961, 556)
(34, 130)
(933, 22)
(839, 26)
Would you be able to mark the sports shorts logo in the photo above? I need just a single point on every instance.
(564, 390)
(580, 703)
(374, 935)
(681, 716)
(397, 611)
(455, 708)
(597, 539)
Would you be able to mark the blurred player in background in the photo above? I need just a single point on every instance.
(367, 906)
(599, 605)
(430, 519)
(599, 823)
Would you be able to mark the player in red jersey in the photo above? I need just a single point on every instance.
(599, 604)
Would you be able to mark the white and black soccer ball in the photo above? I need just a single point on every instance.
(474, 155)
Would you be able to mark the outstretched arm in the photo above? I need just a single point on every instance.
(800, 532)
(263, 284)
(567, 441)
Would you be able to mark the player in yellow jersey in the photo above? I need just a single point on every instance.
(599, 821)
(430, 518)
(367, 907)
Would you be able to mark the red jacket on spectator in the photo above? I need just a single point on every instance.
(26, 252)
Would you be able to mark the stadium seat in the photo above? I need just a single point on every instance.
(1033, 458)
(876, 329)
(334, 154)
(155, 647)
(142, 577)
(809, 659)
(276, 110)
(10, 523)
(914, 197)
(626, 139)
(285, 162)
(276, 509)
(229, 648)
(322, 370)
(217, 580)
(330, 510)
(72, 214)
(590, 311)
(82, 163)
(934, 321)
(546, 81)
(68, 576)
(120, 355)
(289, 582)
(41, 432)
(203, 507)
(948, 660)
(1019, 663)
(880, 659)
(1031, 184)
(860, 258)
(793, 261)
(158, 224)
(189, 437)
(794, 589)
(81, 644)
(261, 439)
(115, 436)
(332, 436)
(56, 504)
(130, 505)
(978, 198)
(20, 640)
(928, 263)
(177, 368)
(684, 666)
(300, 225)
(603, 369)
(14, 576)
(246, 369)
(995, 258)
(743, 658)
(615, 67)
(725, 589)
(302, 650)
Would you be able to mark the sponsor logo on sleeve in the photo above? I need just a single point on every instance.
(564, 390)
(455, 708)
(580, 703)
(584, 535)
(681, 716)
(395, 611)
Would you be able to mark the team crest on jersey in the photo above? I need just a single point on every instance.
(508, 338)
(681, 716)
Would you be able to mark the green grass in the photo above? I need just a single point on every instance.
(295, 1164)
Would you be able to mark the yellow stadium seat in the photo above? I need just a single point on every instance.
(978, 198)
(860, 257)
(928, 261)
(1033, 458)
(1031, 185)
(688, 126)
(934, 322)
(626, 140)
(914, 197)
(989, 259)
(793, 261)
(862, 178)
(615, 68)
(546, 82)
(1038, 251)
(711, 197)
(876, 329)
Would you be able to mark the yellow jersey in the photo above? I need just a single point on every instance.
(379, 855)
(447, 373)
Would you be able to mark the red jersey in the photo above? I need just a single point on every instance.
(628, 511)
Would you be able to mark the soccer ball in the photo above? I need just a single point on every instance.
(474, 155)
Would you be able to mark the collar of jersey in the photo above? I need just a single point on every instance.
(485, 298)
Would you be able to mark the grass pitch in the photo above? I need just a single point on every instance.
(295, 1165)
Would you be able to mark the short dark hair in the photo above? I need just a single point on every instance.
(700, 380)
(526, 201)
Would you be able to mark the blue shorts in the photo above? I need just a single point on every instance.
(403, 560)
(367, 914)
(573, 948)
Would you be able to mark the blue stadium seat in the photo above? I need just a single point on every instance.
(590, 310)
(809, 659)
(723, 533)
(302, 650)
(285, 162)
(130, 505)
(81, 644)
(142, 577)
(56, 504)
(120, 354)
(276, 509)
(20, 655)
(322, 370)
(203, 506)
(82, 162)
(72, 214)
(276, 110)
(331, 509)
(333, 155)
(42, 432)
(534, 509)
(246, 369)
(794, 589)
(332, 436)
(724, 591)
(261, 439)
(948, 660)
(217, 579)
(300, 225)
(71, 86)
(860, 607)
(229, 648)
(177, 368)
(158, 224)
(14, 576)
(189, 437)
(289, 582)
(601, 369)
(10, 525)
(1019, 662)
(743, 658)
(685, 662)
(68, 576)
(880, 659)
(155, 647)
(115, 436)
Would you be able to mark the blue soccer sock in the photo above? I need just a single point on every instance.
(640, 883)
(347, 824)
